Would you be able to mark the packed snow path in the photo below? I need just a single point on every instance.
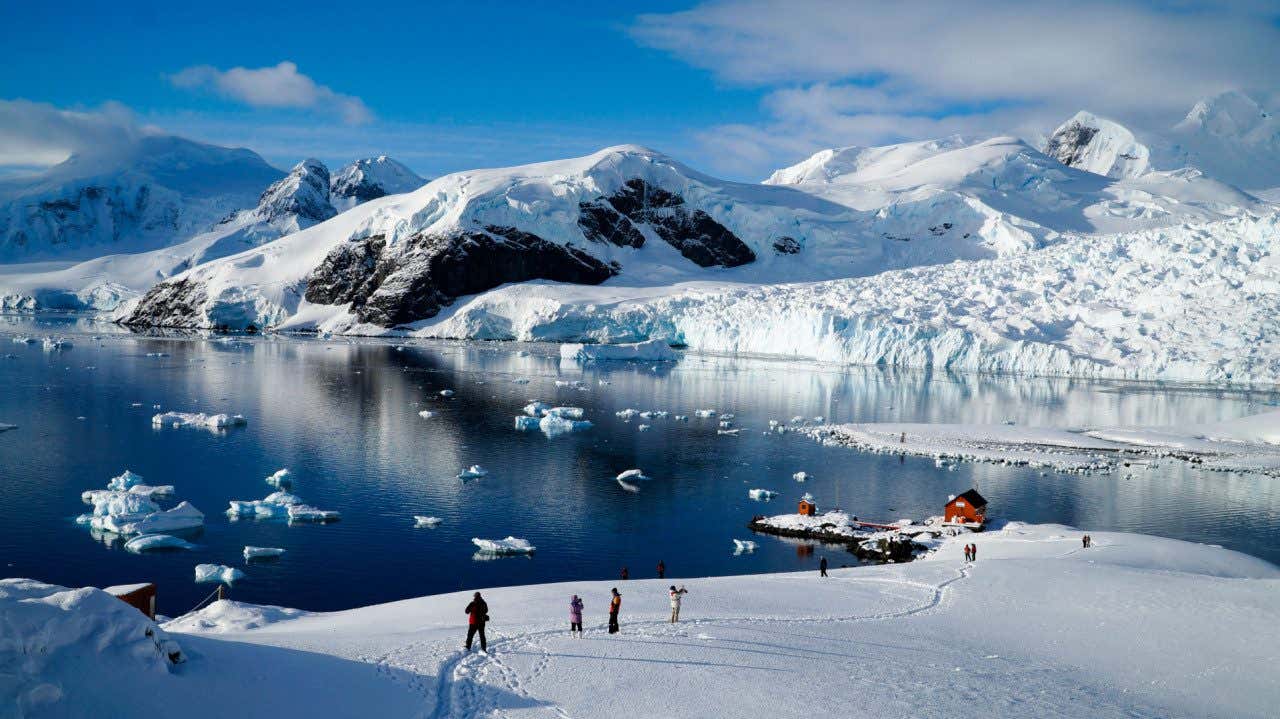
(1037, 627)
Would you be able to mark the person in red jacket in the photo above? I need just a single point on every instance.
(615, 604)
(625, 574)
(477, 615)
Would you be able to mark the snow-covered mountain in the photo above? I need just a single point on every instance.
(369, 179)
(295, 202)
(147, 194)
(292, 203)
(628, 217)
(1229, 137)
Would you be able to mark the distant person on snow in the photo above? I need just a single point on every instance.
(662, 569)
(822, 567)
(675, 601)
(967, 549)
(973, 552)
(575, 616)
(626, 574)
(477, 615)
(615, 604)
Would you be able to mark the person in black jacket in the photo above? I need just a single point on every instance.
(477, 615)
(822, 567)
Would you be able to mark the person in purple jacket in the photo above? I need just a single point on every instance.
(575, 616)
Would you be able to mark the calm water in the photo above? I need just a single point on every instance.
(343, 418)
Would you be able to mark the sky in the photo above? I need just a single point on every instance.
(733, 87)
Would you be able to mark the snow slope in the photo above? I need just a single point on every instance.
(141, 196)
(1036, 627)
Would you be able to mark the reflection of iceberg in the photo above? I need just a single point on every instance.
(510, 545)
(629, 487)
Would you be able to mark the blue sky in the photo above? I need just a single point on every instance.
(735, 87)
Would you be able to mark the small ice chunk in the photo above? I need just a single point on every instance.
(743, 545)
(475, 471)
(526, 423)
(6, 427)
(728, 415)
(761, 495)
(800, 476)
(566, 412)
(56, 344)
(521, 380)
(198, 419)
(797, 419)
(426, 414)
(157, 354)
(627, 413)
(149, 542)
(642, 428)
(728, 431)
(631, 475)
(819, 419)
(725, 424)
(706, 413)
(536, 409)
(217, 573)
(510, 545)
(554, 425)
(280, 480)
(446, 393)
(425, 521)
(251, 552)
(682, 418)
(307, 513)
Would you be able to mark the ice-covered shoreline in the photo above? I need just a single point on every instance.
(1117, 613)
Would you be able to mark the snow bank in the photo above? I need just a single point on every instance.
(510, 545)
(198, 419)
(217, 573)
(649, 351)
(226, 615)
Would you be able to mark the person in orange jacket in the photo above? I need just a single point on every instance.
(615, 604)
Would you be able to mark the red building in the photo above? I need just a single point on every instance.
(967, 508)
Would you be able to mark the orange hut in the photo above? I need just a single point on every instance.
(808, 507)
(966, 508)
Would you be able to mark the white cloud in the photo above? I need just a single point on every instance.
(34, 134)
(840, 73)
(277, 86)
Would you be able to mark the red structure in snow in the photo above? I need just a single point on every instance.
(967, 508)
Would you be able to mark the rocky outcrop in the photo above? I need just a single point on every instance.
(302, 194)
(693, 232)
(390, 286)
(786, 246)
(168, 304)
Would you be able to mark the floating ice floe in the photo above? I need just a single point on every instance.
(183, 516)
(682, 418)
(510, 545)
(56, 344)
(22, 340)
(426, 414)
(446, 393)
(425, 521)
(520, 380)
(743, 545)
(649, 351)
(705, 413)
(149, 542)
(157, 354)
(307, 513)
(217, 573)
(280, 479)
(800, 476)
(631, 475)
(198, 419)
(626, 414)
(761, 495)
(6, 427)
(261, 552)
(642, 428)
(733, 432)
(475, 471)
(725, 424)
(275, 504)
(554, 425)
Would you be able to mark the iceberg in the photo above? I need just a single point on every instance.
(800, 476)
(56, 344)
(475, 471)
(426, 414)
(631, 475)
(149, 542)
(183, 516)
(446, 393)
(705, 413)
(251, 552)
(280, 480)
(198, 419)
(743, 545)
(643, 428)
(626, 414)
(525, 423)
(217, 573)
(648, 351)
(424, 521)
(123, 482)
(536, 409)
(761, 495)
(510, 545)
(275, 504)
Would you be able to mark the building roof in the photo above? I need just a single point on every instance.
(972, 497)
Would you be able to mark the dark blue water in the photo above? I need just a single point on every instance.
(343, 418)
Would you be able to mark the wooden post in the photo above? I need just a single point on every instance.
(219, 592)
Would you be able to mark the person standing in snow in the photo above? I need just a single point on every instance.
(662, 569)
(575, 616)
(822, 567)
(626, 574)
(966, 552)
(477, 615)
(675, 602)
(973, 552)
(615, 604)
